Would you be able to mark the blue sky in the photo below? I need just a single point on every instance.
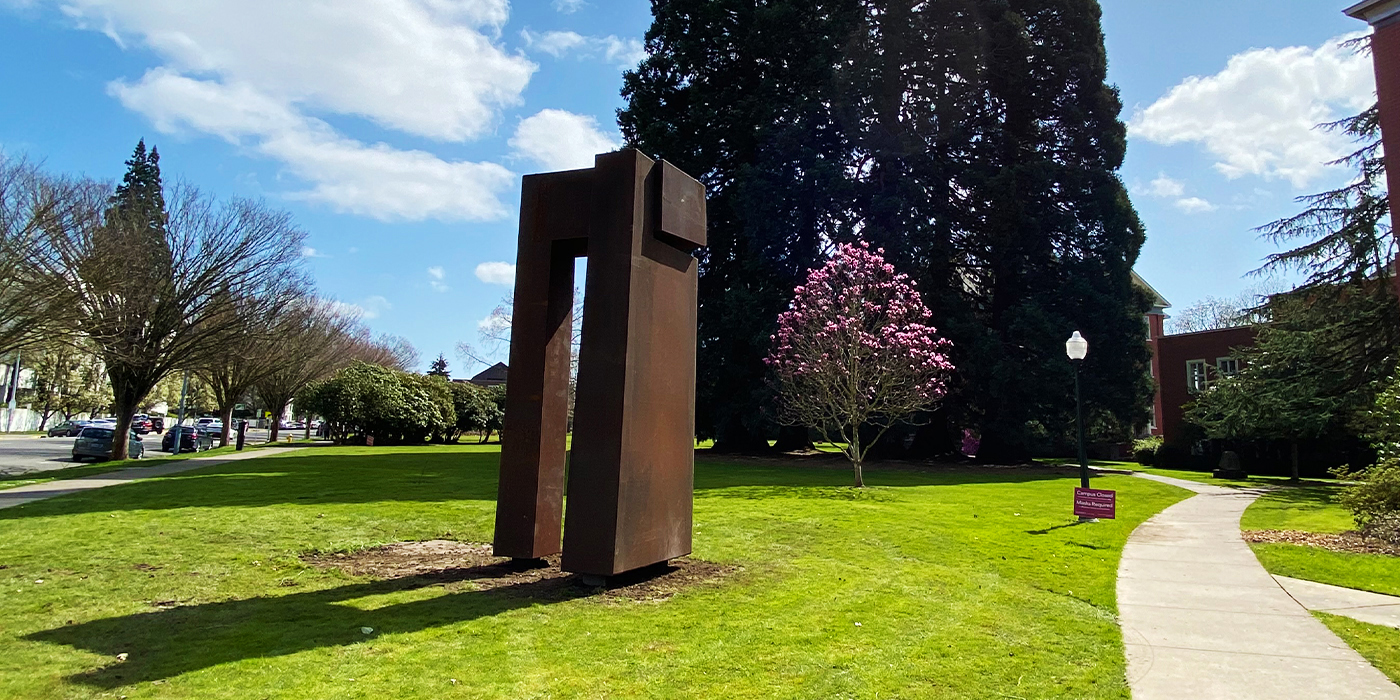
(396, 131)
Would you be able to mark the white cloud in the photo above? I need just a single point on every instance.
(568, 7)
(436, 275)
(553, 43)
(623, 53)
(1195, 205)
(559, 140)
(425, 67)
(309, 252)
(370, 308)
(254, 72)
(502, 273)
(350, 176)
(1257, 116)
(1164, 186)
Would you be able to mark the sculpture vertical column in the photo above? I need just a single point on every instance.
(530, 495)
(631, 474)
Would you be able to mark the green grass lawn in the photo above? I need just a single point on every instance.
(966, 583)
(1314, 508)
(1379, 644)
(1251, 482)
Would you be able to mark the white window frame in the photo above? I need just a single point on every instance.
(1192, 385)
(1220, 366)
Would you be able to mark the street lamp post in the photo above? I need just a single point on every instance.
(1077, 348)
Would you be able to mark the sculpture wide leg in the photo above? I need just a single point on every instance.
(631, 475)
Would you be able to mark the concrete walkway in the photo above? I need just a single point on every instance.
(1202, 619)
(1365, 606)
(38, 492)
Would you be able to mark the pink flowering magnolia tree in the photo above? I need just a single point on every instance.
(855, 350)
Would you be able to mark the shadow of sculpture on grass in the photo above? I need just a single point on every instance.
(167, 643)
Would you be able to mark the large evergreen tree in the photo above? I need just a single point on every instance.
(975, 140)
(739, 94)
(1053, 236)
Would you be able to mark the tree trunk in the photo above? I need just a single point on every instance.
(225, 417)
(1294, 450)
(853, 451)
(124, 405)
(276, 420)
(793, 439)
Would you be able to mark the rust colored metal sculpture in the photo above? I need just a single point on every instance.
(631, 474)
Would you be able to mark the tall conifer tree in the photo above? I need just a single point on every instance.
(739, 95)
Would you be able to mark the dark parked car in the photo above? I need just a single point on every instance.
(192, 439)
(68, 428)
(96, 442)
(157, 424)
(141, 424)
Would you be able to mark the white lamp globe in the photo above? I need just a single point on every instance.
(1076, 347)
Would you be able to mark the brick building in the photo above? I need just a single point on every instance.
(1384, 16)
(1184, 364)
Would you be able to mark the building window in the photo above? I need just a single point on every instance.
(1196, 379)
(1227, 366)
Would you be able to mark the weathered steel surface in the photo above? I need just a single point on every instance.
(631, 474)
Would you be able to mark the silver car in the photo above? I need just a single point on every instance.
(96, 442)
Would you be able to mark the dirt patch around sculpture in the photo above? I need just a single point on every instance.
(1345, 542)
(451, 563)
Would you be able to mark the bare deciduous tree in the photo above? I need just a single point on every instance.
(32, 203)
(315, 339)
(1213, 313)
(150, 294)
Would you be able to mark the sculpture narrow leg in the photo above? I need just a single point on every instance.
(530, 494)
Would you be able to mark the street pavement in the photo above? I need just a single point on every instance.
(1202, 619)
(22, 455)
(25, 454)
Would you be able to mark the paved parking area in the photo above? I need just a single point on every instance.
(24, 454)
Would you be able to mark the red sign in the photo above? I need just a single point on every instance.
(1095, 503)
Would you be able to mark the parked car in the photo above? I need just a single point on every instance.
(157, 424)
(193, 438)
(68, 428)
(141, 423)
(96, 442)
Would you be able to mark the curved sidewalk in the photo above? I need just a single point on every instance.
(1202, 619)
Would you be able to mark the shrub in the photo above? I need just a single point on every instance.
(1374, 501)
(370, 401)
(1145, 450)
(476, 409)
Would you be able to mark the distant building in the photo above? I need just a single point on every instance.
(495, 375)
(1186, 364)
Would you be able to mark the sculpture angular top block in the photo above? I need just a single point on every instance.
(630, 480)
